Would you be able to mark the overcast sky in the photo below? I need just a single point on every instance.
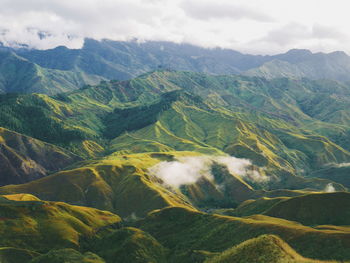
(251, 26)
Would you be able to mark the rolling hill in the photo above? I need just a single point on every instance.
(265, 248)
(41, 226)
(186, 231)
(196, 167)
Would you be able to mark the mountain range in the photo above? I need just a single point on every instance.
(164, 152)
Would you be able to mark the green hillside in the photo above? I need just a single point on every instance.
(185, 232)
(24, 159)
(314, 209)
(181, 111)
(298, 64)
(41, 226)
(121, 185)
(128, 59)
(18, 75)
(196, 168)
(265, 248)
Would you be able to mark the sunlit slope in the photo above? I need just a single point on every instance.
(263, 249)
(24, 159)
(121, 185)
(270, 122)
(41, 226)
(186, 231)
(190, 124)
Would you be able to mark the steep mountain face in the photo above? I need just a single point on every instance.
(198, 168)
(125, 60)
(24, 159)
(273, 123)
(298, 64)
(19, 75)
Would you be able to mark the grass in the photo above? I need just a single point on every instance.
(184, 231)
(41, 226)
(263, 249)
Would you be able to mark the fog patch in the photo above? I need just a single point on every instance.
(188, 170)
(329, 188)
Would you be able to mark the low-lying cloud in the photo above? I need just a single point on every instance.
(188, 170)
(329, 188)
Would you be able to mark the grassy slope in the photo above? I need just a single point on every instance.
(24, 159)
(15, 255)
(308, 208)
(185, 231)
(314, 209)
(334, 172)
(120, 185)
(22, 76)
(239, 115)
(41, 226)
(129, 245)
(263, 249)
(67, 255)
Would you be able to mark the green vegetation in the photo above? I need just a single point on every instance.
(129, 245)
(121, 185)
(15, 255)
(18, 75)
(186, 231)
(24, 159)
(41, 226)
(263, 249)
(98, 147)
(67, 255)
(310, 209)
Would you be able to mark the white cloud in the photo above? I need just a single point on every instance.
(188, 170)
(329, 188)
(254, 26)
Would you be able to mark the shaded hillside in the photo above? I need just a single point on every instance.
(337, 173)
(24, 159)
(125, 60)
(304, 64)
(186, 232)
(129, 245)
(18, 75)
(314, 209)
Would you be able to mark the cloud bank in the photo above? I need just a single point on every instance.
(188, 170)
(253, 26)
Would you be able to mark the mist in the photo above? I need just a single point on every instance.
(187, 170)
(329, 188)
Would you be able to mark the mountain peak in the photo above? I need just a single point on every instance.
(299, 52)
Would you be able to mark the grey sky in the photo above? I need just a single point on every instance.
(254, 26)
